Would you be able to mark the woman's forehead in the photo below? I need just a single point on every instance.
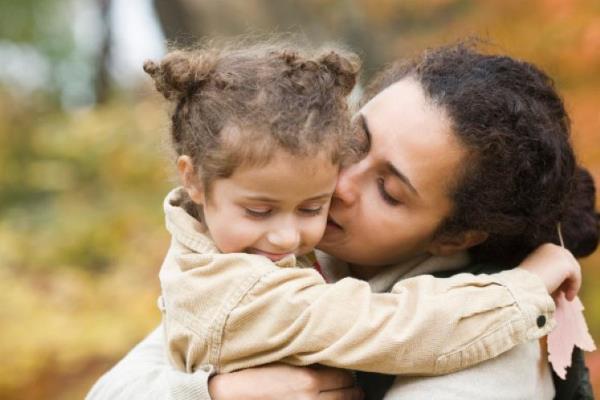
(401, 115)
(415, 135)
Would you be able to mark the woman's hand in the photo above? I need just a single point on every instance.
(556, 267)
(280, 381)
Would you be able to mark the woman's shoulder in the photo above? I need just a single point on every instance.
(475, 268)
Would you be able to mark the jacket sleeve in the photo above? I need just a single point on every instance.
(424, 326)
(145, 374)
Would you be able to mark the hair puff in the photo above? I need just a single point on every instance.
(180, 72)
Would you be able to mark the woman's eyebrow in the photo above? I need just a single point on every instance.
(396, 172)
(365, 126)
(391, 168)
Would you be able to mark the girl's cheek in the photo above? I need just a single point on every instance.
(317, 231)
(231, 238)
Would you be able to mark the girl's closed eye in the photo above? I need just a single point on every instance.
(311, 210)
(258, 212)
(385, 195)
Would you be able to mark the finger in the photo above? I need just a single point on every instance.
(567, 288)
(574, 281)
(332, 379)
(570, 288)
(354, 393)
(578, 276)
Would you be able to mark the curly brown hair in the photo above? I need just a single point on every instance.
(521, 178)
(235, 104)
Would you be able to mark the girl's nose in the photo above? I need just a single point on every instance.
(285, 238)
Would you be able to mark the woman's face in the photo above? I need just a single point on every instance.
(387, 206)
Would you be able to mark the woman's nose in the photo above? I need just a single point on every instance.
(347, 188)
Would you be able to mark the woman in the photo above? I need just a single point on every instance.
(463, 153)
(519, 181)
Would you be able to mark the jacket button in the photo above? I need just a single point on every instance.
(541, 321)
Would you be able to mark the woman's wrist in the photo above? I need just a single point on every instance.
(216, 384)
(280, 381)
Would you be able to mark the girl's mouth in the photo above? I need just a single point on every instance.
(271, 256)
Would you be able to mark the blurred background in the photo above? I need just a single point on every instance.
(83, 165)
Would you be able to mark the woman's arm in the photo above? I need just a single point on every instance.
(145, 374)
(280, 381)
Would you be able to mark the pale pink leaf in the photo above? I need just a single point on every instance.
(571, 330)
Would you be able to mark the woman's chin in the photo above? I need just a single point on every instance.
(332, 236)
(333, 246)
(328, 246)
(337, 243)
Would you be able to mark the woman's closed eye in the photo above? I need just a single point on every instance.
(385, 195)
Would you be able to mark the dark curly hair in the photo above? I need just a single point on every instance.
(521, 177)
(235, 103)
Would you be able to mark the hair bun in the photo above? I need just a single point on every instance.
(344, 67)
(581, 222)
(290, 57)
(180, 72)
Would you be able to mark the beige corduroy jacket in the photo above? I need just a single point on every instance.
(235, 311)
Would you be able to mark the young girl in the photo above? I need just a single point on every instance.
(260, 133)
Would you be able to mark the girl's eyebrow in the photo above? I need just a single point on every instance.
(320, 197)
(266, 199)
(262, 198)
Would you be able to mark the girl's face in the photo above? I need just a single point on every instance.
(387, 207)
(272, 210)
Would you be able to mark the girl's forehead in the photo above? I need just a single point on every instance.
(258, 144)
(286, 177)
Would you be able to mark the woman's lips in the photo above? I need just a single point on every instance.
(332, 224)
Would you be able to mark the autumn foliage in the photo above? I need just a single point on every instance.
(81, 230)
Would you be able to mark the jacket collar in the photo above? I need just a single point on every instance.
(183, 227)
(334, 269)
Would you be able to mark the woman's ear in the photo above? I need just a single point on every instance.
(191, 179)
(446, 245)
